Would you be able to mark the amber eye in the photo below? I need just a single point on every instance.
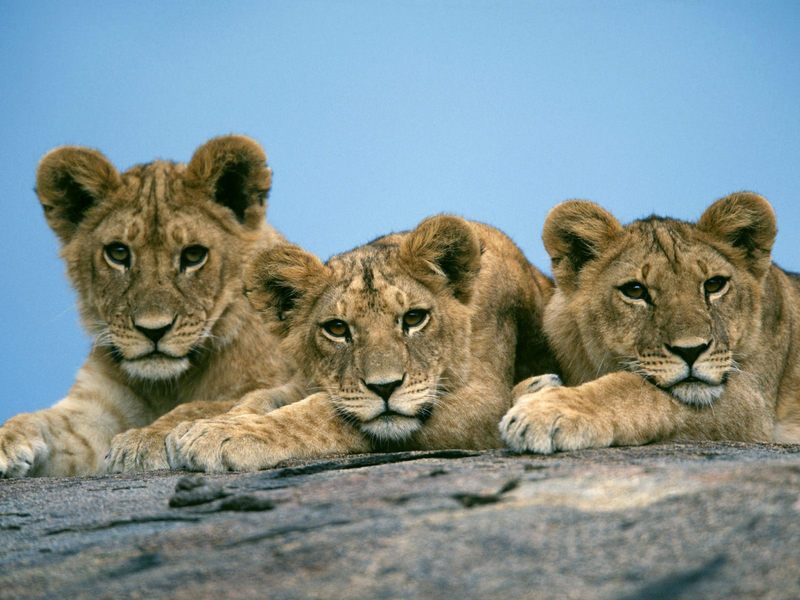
(635, 291)
(415, 318)
(193, 256)
(715, 284)
(118, 253)
(336, 328)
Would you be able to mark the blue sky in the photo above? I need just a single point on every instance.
(375, 114)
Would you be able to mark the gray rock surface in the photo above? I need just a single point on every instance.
(664, 521)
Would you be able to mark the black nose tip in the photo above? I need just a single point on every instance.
(688, 353)
(384, 390)
(154, 334)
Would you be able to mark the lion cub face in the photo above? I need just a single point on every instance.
(156, 253)
(383, 329)
(672, 301)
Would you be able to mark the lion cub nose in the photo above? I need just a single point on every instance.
(154, 329)
(384, 389)
(689, 353)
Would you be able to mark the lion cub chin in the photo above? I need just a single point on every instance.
(410, 342)
(666, 330)
(156, 255)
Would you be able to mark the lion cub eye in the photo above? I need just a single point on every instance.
(715, 284)
(193, 257)
(635, 291)
(117, 254)
(415, 319)
(337, 330)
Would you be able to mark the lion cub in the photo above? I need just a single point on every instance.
(669, 330)
(410, 342)
(156, 255)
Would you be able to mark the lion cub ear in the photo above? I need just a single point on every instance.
(574, 233)
(746, 221)
(232, 170)
(69, 181)
(282, 278)
(444, 249)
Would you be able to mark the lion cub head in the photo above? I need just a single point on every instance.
(383, 329)
(156, 253)
(678, 303)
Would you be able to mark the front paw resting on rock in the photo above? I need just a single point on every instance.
(22, 446)
(222, 444)
(137, 450)
(552, 419)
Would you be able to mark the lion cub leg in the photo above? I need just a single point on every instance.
(309, 428)
(533, 384)
(71, 437)
(145, 449)
(617, 409)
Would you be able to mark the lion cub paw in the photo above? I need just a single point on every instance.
(137, 450)
(534, 384)
(22, 446)
(217, 445)
(552, 419)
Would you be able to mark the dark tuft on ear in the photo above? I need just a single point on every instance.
(69, 181)
(280, 278)
(444, 249)
(576, 232)
(746, 222)
(232, 170)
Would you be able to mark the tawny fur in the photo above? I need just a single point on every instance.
(622, 355)
(453, 372)
(215, 349)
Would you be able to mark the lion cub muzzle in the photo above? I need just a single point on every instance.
(693, 370)
(384, 388)
(688, 350)
(154, 328)
(393, 398)
(383, 374)
(399, 409)
(395, 402)
(155, 351)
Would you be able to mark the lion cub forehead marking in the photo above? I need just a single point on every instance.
(160, 181)
(670, 247)
(400, 298)
(153, 189)
(154, 185)
(133, 229)
(181, 229)
(670, 243)
(372, 289)
(370, 292)
(178, 235)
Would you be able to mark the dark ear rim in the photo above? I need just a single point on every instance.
(69, 181)
(574, 233)
(746, 222)
(280, 278)
(444, 249)
(233, 171)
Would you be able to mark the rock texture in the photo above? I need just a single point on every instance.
(663, 521)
